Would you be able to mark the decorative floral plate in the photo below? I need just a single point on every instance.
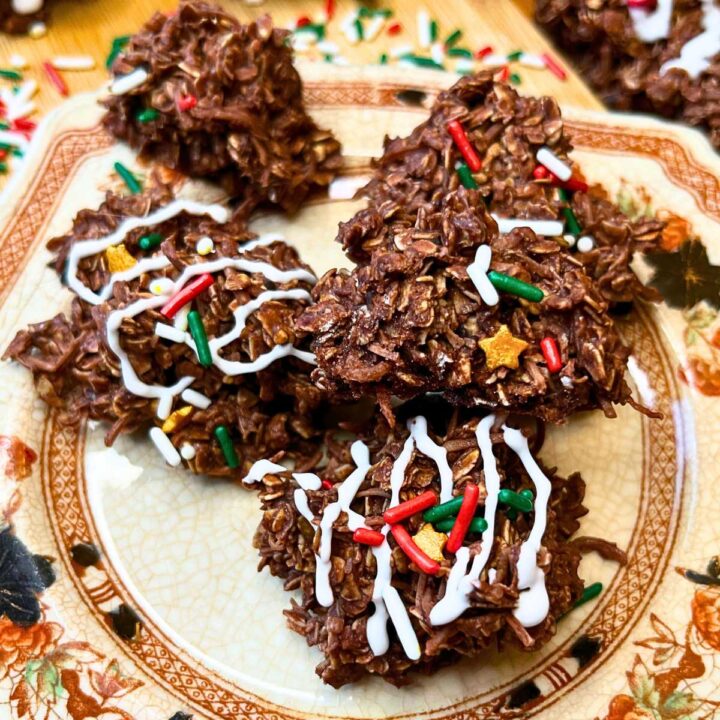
(152, 606)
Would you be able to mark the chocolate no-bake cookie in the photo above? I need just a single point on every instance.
(661, 57)
(17, 16)
(198, 91)
(365, 541)
(129, 354)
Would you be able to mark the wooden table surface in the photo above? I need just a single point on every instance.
(87, 27)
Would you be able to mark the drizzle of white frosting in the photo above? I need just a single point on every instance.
(308, 481)
(461, 583)
(125, 83)
(478, 270)
(301, 503)
(533, 604)
(652, 25)
(696, 53)
(427, 446)
(27, 7)
(401, 621)
(168, 332)
(642, 381)
(260, 469)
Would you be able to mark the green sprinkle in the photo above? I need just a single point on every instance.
(328, 58)
(223, 437)
(384, 59)
(117, 47)
(465, 175)
(515, 500)
(10, 74)
(444, 510)
(130, 180)
(317, 29)
(528, 493)
(147, 115)
(148, 242)
(563, 195)
(589, 593)
(514, 55)
(515, 79)
(17, 152)
(433, 30)
(366, 12)
(3, 167)
(121, 40)
(420, 61)
(477, 525)
(573, 225)
(197, 330)
(4, 126)
(6, 146)
(511, 513)
(452, 38)
(357, 22)
(460, 52)
(512, 285)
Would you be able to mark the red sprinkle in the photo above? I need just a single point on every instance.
(394, 29)
(504, 74)
(463, 144)
(327, 484)
(554, 67)
(484, 52)
(410, 507)
(303, 21)
(541, 172)
(3, 154)
(23, 125)
(329, 9)
(403, 539)
(55, 78)
(364, 536)
(464, 518)
(188, 293)
(551, 354)
(643, 4)
(186, 102)
(574, 185)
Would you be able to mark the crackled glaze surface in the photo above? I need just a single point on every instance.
(177, 549)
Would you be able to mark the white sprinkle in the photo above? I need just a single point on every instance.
(181, 319)
(495, 59)
(464, 65)
(299, 44)
(477, 270)
(545, 156)
(73, 62)
(161, 286)
(327, 47)
(566, 381)
(546, 228)
(187, 451)
(374, 27)
(26, 91)
(437, 52)
(126, 83)
(530, 60)
(14, 138)
(18, 62)
(340, 60)
(570, 239)
(262, 468)
(349, 29)
(21, 111)
(205, 246)
(193, 397)
(37, 30)
(585, 244)
(423, 29)
(26, 7)
(166, 448)
(400, 50)
(168, 332)
(304, 36)
(642, 381)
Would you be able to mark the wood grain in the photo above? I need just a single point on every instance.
(88, 27)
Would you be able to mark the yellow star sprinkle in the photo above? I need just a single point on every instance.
(177, 419)
(430, 542)
(118, 258)
(502, 349)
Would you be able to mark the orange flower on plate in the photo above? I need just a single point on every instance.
(16, 458)
(624, 707)
(20, 644)
(677, 230)
(706, 615)
(702, 375)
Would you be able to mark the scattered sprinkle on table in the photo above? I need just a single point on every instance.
(128, 178)
(56, 79)
(73, 62)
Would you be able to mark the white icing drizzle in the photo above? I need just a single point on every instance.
(546, 228)
(696, 53)
(196, 399)
(132, 382)
(91, 247)
(125, 83)
(477, 270)
(308, 481)
(346, 494)
(168, 332)
(461, 583)
(301, 503)
(652, 25)
(27, 7)
(260, 469)
(533, 604)
(427, 446)
(545, 156)
(401, 621)
(166, 448)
